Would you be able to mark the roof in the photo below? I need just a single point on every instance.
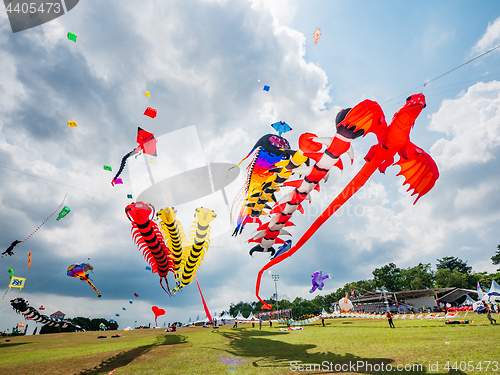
(374, 297)
(58, 313)
(455, 294)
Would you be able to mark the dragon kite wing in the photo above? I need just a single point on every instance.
(418, 168)
(366, 116)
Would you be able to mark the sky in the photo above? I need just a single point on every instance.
(205, 64)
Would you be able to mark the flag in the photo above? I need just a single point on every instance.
(352, 293)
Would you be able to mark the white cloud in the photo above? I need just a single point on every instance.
(471, 122)
(490, 38)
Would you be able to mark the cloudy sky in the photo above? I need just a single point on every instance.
(205, 64)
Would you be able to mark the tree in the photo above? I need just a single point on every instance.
(389, 277)
(418, 277)
(496, 258)
(454, 264)
(446, 278)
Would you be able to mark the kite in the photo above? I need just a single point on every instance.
(41, 308)
(417, 166)
(29, 260)
(79, 270)
(282, 249)
(147, 145)
(136, 295)
(147, 94)
(281, 127)
(148, 268)
(72, 124)
(269, 150)
(148, 238)
(173, 233)
(20, 305)
(63, 213)
(207, 312)
(107, 168)
(117, 314)
(129, 196)
(102, 326)
(197, 245)
(345, 304)
(150, 112)
(130, 301)
(15, 282)
(317, 281)
(158, 312)
(266, 88)
(316, 35)
(10, 249)
(267, 234)
(72, 37)
(124, 309)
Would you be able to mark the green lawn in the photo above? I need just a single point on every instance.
(343, 342)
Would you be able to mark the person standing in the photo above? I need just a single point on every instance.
(235, 324)
(389, 319)
(323, 321)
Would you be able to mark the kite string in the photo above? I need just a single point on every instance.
(442, 75)
(43, 222)
(59, 183)
(48, 280)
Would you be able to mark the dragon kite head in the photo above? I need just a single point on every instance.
(19, 304)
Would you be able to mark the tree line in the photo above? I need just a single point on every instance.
(450, 272)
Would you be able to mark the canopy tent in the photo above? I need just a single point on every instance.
(240, 318)
(468, 301)
(251, 317)
(226, 319)
(493, 294)
(455, 294)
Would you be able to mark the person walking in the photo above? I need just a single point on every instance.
(488, 314)
(389, 319)
(235, 324)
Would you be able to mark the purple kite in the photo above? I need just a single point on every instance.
(317, 280)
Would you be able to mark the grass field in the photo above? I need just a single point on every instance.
(343, 342)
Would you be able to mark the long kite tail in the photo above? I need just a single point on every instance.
(93, 287)
(122, 165)
(356, 183)
(203, 300)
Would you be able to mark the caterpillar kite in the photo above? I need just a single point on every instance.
(21, 306)
(418, 168)
(173, 233)
(251, 200)
(197, 245)
(149, 239)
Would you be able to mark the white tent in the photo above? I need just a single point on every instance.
(493, 294)
(468, 301)
(226, 319)
(251, 317)
(240, 318)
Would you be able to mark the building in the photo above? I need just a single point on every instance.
(58, 315)
(405, 301)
